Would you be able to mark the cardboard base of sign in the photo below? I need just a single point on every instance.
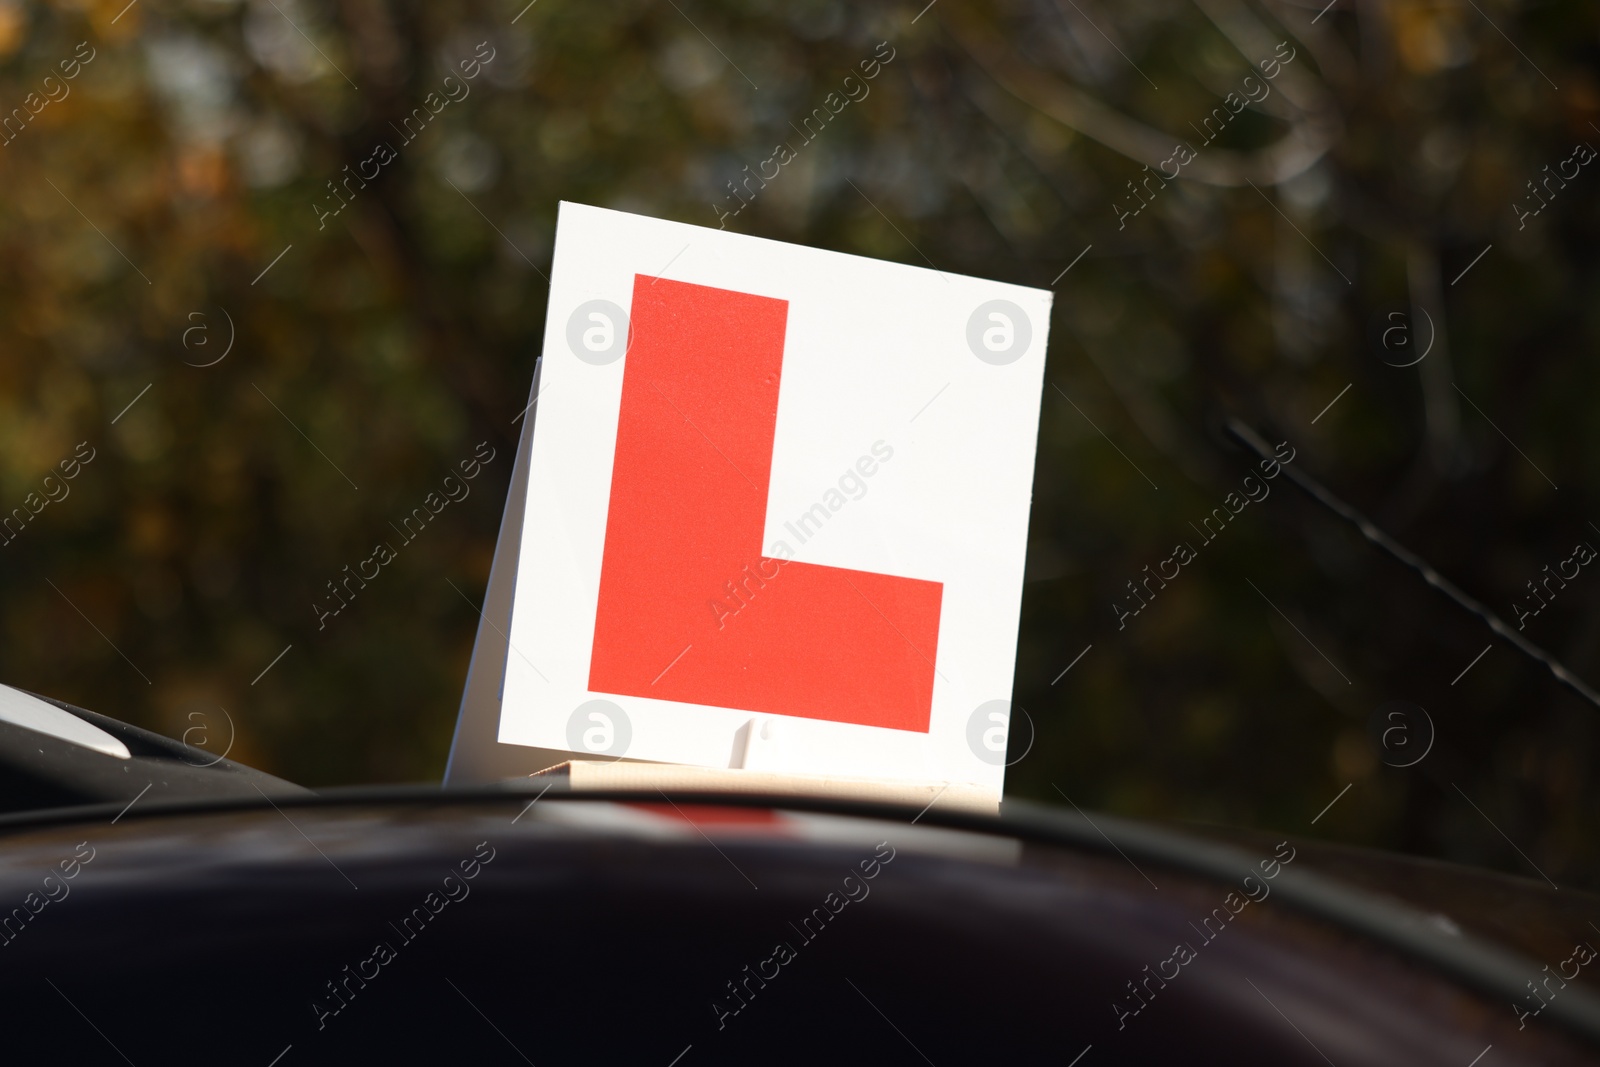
(605, 774)
(476, 754)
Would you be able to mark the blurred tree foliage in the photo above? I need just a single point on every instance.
(148, 199)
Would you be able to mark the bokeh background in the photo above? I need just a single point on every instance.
(1318, 243)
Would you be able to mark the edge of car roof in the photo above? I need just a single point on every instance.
(1464, 958)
